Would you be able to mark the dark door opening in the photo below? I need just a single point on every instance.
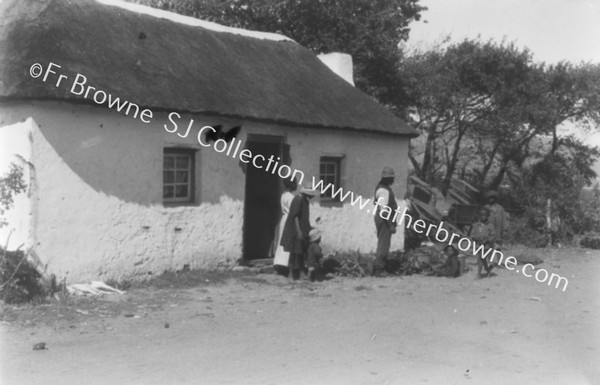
(262, 195)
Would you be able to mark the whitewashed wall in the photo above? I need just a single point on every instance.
(98, 190)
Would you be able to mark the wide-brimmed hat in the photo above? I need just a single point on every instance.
(491, 193)
(314, 235)
(308, 190)
(388, 172)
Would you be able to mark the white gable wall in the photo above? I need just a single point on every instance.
(99, 211)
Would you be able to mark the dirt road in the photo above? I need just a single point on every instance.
(264, 330)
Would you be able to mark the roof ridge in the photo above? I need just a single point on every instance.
(192, 21)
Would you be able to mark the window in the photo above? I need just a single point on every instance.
(330, 173)
(178, 175)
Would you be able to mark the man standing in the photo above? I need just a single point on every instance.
(498, 217)
(294, 238)
(385, 204)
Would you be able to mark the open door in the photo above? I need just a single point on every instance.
(262, 209)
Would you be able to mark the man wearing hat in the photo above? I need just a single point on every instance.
(385, 200)
(296, 230)
(498, 217)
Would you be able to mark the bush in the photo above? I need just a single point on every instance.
(591, 241)
(19, 281)
(11, 184)
(527, 232)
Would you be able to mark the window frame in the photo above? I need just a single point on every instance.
(191, 180)
(337, 176)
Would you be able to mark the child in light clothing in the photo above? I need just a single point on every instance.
(483, 233)
(314, 254)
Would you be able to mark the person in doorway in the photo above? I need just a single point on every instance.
(295, 232)
(282, 257)
(498, 218)
(385, 203)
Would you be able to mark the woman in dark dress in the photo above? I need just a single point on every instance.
(295, 232)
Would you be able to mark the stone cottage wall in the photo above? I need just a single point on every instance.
(98, 208)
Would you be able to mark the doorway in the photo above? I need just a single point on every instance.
(263, 190)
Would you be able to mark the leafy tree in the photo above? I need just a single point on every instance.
(554, 95)
(559, 178)
(480, 105)
(458, 94)
(11, 184)
(369, 30)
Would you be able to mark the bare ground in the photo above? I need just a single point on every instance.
(262, 329)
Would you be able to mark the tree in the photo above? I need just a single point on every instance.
(457, 94)
(369, 30)
(554, 95)
(480, 105)
(558, 177)
(11, 184)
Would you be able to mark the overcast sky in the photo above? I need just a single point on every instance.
(553, 30)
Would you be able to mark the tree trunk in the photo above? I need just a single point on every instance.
(427, 156)
(498, 178)
(453, 160)
(415, 164)
(488, 165)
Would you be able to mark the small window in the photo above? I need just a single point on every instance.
(178, 176)
(330, 173)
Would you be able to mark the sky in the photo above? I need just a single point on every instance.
(553, 30)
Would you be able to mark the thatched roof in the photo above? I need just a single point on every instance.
(166, 65)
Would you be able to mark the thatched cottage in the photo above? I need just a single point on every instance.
(121, 188)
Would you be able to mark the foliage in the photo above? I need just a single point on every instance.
(559, 179)
(459, 93)
(369, 30)
(489, 115)
(11, 184)
(350, 264)
(527, 231)
(355, 264)
(480, 105)
(591, 241)
(19, 281)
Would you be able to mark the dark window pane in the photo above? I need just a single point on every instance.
(181, 191)
(168, 191)
(181, 177)
(168, 177)
(182, 162)
(169, 162)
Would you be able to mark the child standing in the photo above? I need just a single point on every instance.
(498, 218)
(483, 233)
(314, 254)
